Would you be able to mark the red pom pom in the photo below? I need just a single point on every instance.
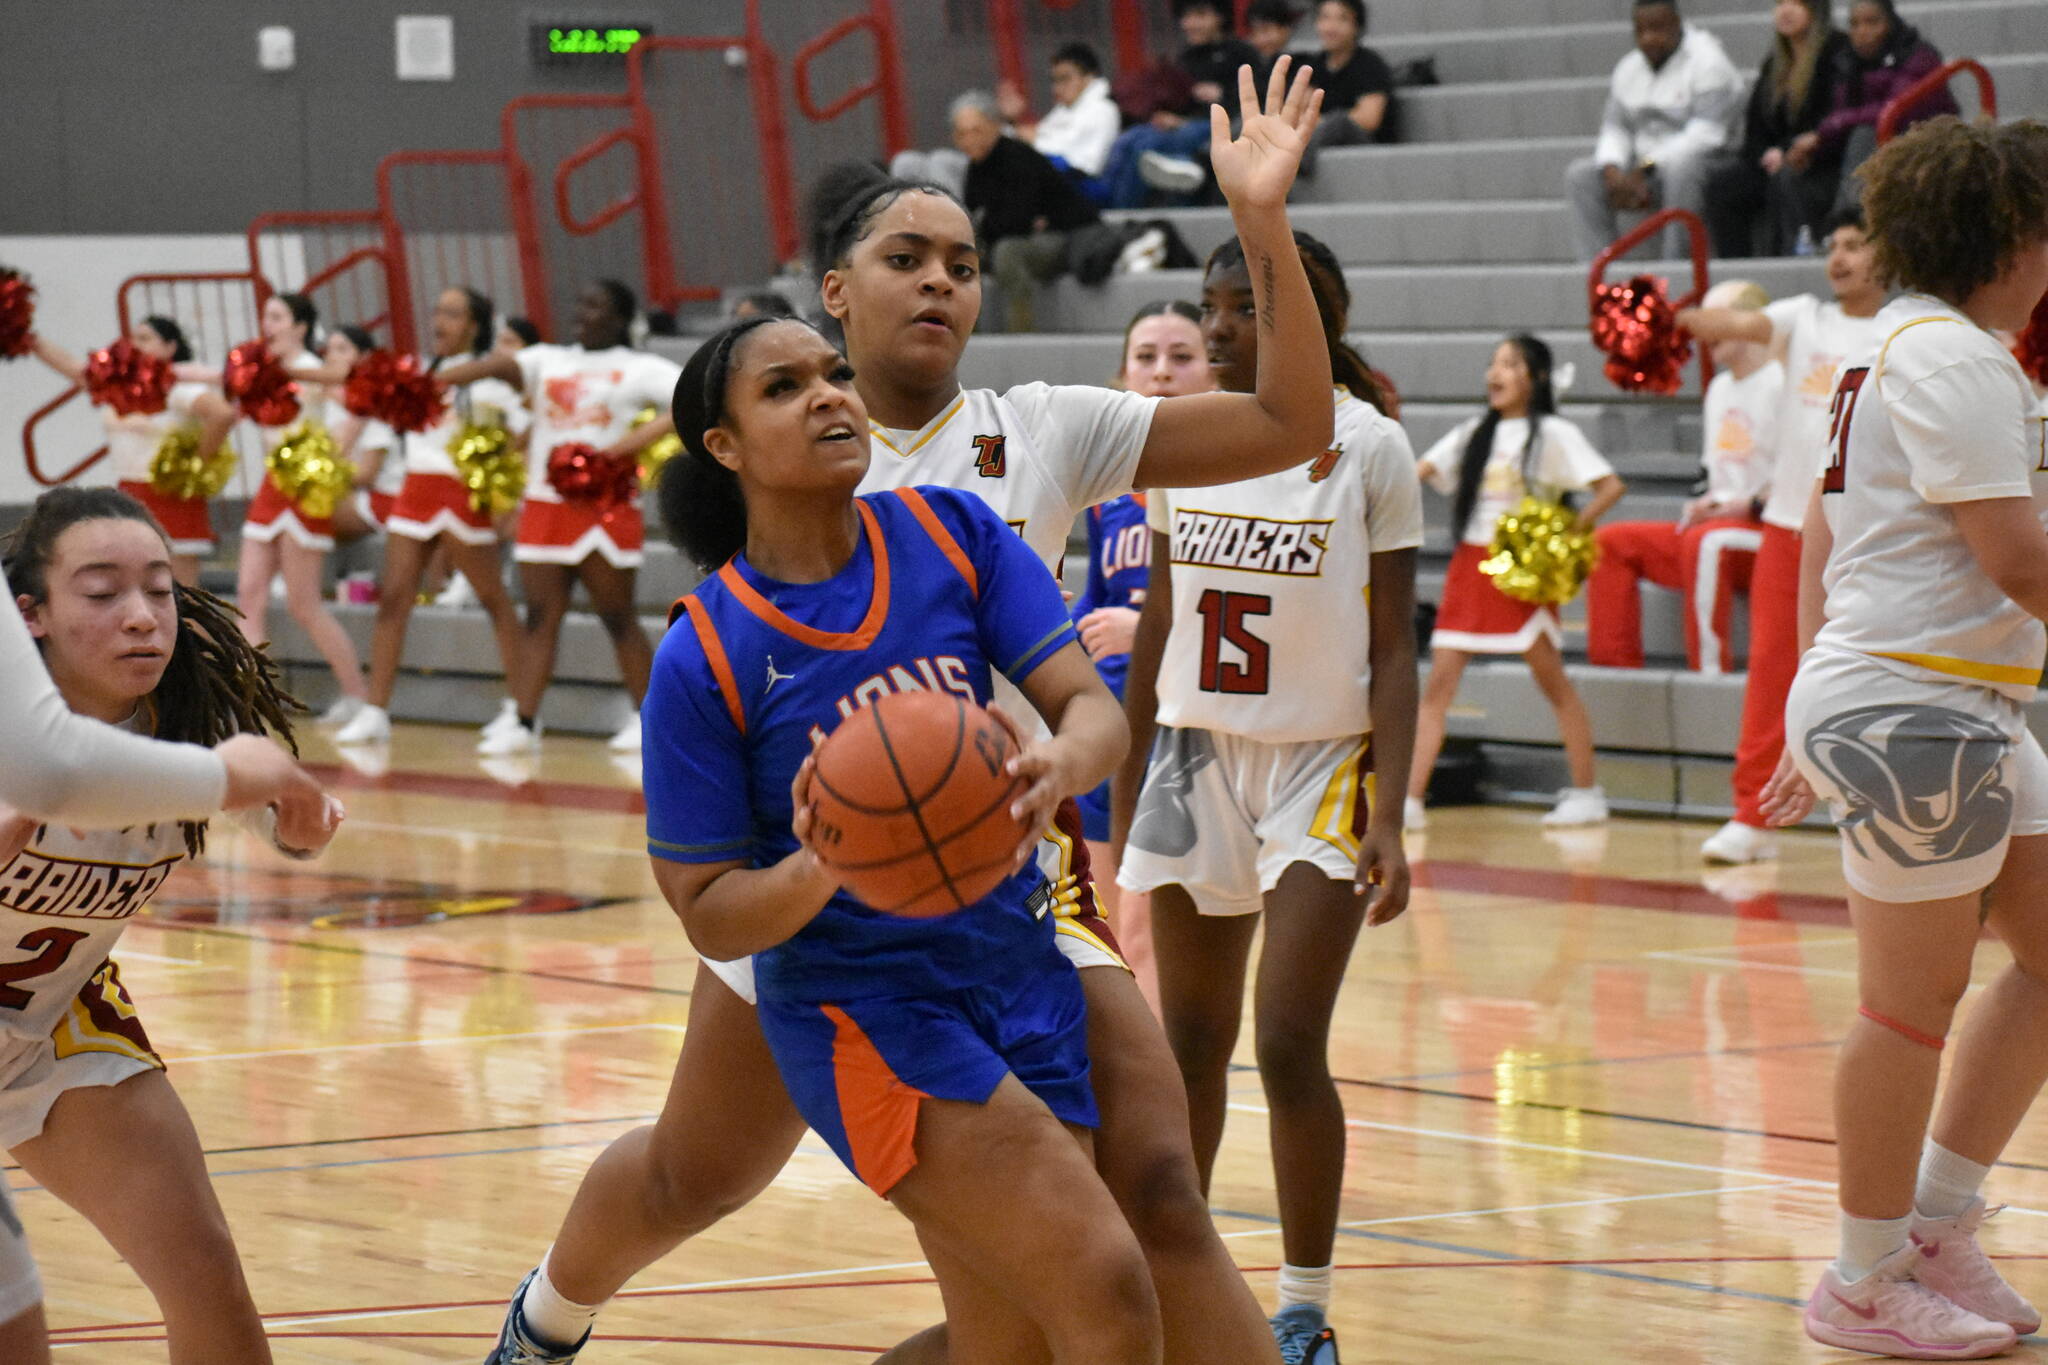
(394, 390)
(2031, 350)
(126, 380)
(254, 381)
(583, 473)
(17, 314)
(1636, 327)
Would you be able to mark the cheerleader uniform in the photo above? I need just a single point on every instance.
(374, 504)
(271, 513)
(591, 398)
(432, 499)
(132, 444)
(1475, 616)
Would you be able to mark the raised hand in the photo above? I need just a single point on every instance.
(1256, 168)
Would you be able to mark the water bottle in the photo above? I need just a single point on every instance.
(1804, 246)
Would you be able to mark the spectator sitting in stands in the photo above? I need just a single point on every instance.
(1887, 55)
(1167, 151)
(1021, 204)
(1077, 133)
(1671, 106)
(1357, 84)
(1708, 554)
(1269, 27)
(1782, 180)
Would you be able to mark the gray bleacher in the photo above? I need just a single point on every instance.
(1450, 240)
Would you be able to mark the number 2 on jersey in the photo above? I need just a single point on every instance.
(1839, 416)
(52, 948)
(1223, 616)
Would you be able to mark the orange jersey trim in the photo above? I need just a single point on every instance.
(877, 1109)
(857, 639)
(941, 537)
(714, 654)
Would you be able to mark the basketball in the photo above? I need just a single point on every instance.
(911, 804)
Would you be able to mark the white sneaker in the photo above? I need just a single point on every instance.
(1736, 843)
(458, 593)
(1578, 806)
(508, 715)
(1174, 174)
(372, 725)
(627, 740)
(1414, 819)
(513, 739)
(341, 712)
(1954, 1266)
(1891, 1313)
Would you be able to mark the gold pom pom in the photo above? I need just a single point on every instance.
(1540, 554)
(490, 467)
(310, 471)
(658, 454)
(177, 471)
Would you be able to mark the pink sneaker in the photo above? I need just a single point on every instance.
(1889, 1313)
(1955, 1267)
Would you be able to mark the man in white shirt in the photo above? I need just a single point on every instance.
(1673, 103)
(1076, 133)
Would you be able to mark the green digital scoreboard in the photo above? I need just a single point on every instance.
(583, 42)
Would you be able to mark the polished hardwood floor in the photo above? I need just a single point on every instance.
(1588, 1086)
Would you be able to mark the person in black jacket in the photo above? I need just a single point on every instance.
(1781, 181)
(1168, 151)
(1022, 206)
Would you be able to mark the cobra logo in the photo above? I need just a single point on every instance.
(1923, 784)
(1163, 824)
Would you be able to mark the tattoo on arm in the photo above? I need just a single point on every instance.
(1266, 292)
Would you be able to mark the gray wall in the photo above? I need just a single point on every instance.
(150, 116)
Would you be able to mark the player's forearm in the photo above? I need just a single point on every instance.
(492, 366)
(1392, 701)
(1816, 543)
(1093, 739)
(1293, 385)
(1141, 699)
(750, 910)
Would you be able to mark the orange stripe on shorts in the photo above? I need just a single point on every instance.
(877, 1109)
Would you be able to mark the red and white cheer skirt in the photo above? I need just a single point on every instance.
(1478, 618)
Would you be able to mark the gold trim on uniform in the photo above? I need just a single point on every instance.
(880, 433)
(78, 1032)
(1339, 808)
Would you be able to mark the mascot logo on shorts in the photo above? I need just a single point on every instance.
(1163, 823)
(1922, 783)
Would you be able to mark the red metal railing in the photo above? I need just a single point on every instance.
(387, 308)
(1696, 231)
(28, 443)
(463, 254)
(1006, 32)
(533, 253)
(886, 89)
(1919, 91)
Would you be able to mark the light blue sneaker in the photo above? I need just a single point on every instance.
(518, 1346)
(1305, 1337)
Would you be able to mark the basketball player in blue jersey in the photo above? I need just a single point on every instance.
(903, 277)
(944, 1059)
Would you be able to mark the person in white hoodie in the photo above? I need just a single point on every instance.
(1674, 102)
(1077, 132)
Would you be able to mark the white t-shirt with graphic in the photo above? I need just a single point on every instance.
(1563, 461)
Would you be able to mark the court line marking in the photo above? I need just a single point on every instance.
(1531, 1067)
(1776, 1184)
(1703, 959)
(420, 1042)
(511, 840)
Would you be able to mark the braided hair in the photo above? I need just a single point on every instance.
(1479, 449)
(701, 502)
(216, 685)
(1333, 306)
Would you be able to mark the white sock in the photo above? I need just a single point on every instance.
(1866, 1241)
(559, 1322)
(1948, 1183)
(1305, 1284)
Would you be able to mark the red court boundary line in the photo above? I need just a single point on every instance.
(539, 792)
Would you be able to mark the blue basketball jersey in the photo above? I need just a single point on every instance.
(938, 596)
(1119, 566)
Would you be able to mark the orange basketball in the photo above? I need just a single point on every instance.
(911, 804)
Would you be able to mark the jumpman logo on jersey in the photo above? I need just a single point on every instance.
(775, 677)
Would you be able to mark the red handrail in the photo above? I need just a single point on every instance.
(1913, 95)
(28, 443)
(1642, 232)
(253, 278)
(1006, 32)
(388, 253)
(533, 270)
(886, 88)
(611, 213)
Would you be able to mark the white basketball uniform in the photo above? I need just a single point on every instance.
(438, 508)
(1907, 714)
(1039, 454)
(1262, 756)
(1815, 338)
(591, 397)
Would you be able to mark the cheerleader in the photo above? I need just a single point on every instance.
(279, 540)
(588, 393)
(1277, 653)
(132, 441)
(372, 446)
(433, 513)
(903, 278)
(1924, 586)
(1163, 355)
(1486, 466)
(85, 1106)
